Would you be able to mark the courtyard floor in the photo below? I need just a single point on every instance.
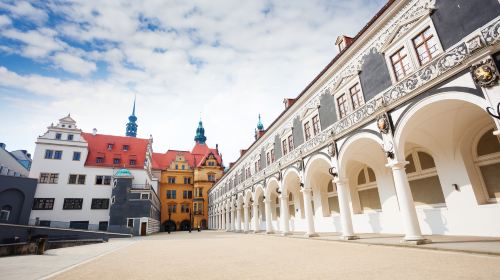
(221, 255)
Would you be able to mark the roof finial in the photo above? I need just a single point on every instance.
(260, 126)
(200, 133)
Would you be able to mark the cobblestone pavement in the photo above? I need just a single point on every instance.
(220, 255)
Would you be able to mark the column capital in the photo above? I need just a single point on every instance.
(306, 190)
(267, 200)
(283, 196)
(341, 181)
(245, 206)
(395, 164)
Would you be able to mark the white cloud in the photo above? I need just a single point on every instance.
(250, 62)
(4, 20)
(74, 64)
(25, 11)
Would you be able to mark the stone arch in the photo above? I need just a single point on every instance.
(318, 178)
(291, 186)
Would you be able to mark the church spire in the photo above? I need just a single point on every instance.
(200, 134)
(131, 125)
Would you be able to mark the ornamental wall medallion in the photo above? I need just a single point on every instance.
(383, 124)
(485, 74)
(332, 149)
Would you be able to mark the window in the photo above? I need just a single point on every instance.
(58, 136)
(57, 154)
(76, 179)
(99, 160)
(487, 162)
(100, 203)
(401, 64)
(172, 208)
(102, 180)
(43, 204)
(79, 224)
(5, 212)
(284, 146)
(184, 208)
(49, 178)
(211, 177)
(356, 97)
(144, 195)
(70, 137)
(211, 163)
(198, 208)
(110, 146)
(187, 180)
(72, 203)
(171, 180)
(423, 179)
(342, 105)
(367, 190)
(176, 166)
(290, 143)
(171, 194)
(425, 45)
(198, 192)
(272, 156)
(116, 161)
(76, 156)
(307, 131)
(187, 194)
(125, 148)
(132, 162)
(103, 226)
(333, 200)
(130, 223)
(316, 127)
(182, 167)
(49, 154)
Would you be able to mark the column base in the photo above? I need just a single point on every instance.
(238, 231)
(416, 241)
(309, 235)
(286, 233)
(269, 232)
(257, 231)
(348, 237)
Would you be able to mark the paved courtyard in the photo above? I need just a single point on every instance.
(220, 255)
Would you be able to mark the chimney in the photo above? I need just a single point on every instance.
(94, 131)
(343, 42)
(242, 152)
(288, 102)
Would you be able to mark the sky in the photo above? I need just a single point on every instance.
(224, 61)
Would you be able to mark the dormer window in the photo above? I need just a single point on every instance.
(99, 159)
(342, 42)
(125, 148)
(110, 146)
(116, 161)
(58, 136)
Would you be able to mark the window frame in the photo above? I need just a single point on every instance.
(74, 201)
(77, 158)
(483, 160)
(345, 90)
(366, 186)
(406, 41)
(94, 203)
(44, 201)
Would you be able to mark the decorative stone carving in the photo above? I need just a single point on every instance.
(332, 149)
(383, 124)
(485, 73)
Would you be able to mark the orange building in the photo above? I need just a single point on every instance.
(185, 178)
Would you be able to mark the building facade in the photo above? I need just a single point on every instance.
(397, 134)
(15, 163)
(75, 175)
(185, 178)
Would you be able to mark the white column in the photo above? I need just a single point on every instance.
(307, 192)
(219, 217)
(345, 211)
(233, 218)
(406, 204)
(269, 216)
(223, 219)
(246, 221)
(228, 219)
(284, 214)
(256, 216)
(238, 219)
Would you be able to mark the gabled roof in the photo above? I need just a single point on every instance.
(195, 158)
(98, 147)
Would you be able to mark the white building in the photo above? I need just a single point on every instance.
(11, 165)
(393, 136)
(75, 174)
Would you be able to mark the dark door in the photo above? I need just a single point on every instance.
(144, 225)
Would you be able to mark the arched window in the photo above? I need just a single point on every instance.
(367, 190)
(333, 199)
(423, 178)
(5, 213)
(487, 161)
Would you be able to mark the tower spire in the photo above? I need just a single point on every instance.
(200, 133)
(131, 127)
(260, 126)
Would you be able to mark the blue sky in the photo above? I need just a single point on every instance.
(227, 61)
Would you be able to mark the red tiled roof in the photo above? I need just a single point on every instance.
(98, 147)
(194, 158)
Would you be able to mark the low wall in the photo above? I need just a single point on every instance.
(20, 233)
